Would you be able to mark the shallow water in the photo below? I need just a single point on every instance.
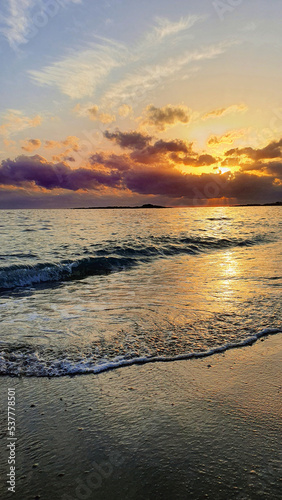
(203, 429)
(85, 290)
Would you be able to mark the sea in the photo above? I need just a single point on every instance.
(84, 291)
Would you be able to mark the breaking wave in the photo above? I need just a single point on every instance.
(113, 258)
(30, 362)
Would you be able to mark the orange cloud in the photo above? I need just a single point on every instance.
(93, 112)
(217, 113)
(31, 144)
(228, 138)
(272, 150)
(150, 168)
(71, 141)
(125, 110)
(15, 122)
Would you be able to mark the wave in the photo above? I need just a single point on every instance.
(219, 218)
(30, 363)
(113, 258)
(20, 276)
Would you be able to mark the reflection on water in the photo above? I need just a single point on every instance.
(123, 283)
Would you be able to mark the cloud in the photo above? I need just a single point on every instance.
(9, 142)
(63, 157)
(175, 184)
(162, 152)
(79, 74)
(31, 145)
(217, 113)
(158, 177)
(72, 142)
(136, 84)
(15, 121)
(165, 117)
(165, 28)
(272, 168)
(272, 150)
(52, 144)
(71, 145)
(201, 160)
(93, 112)
(18, 18)
(111, 161)
(16, 21)
(266, 161)
(125, 110)
(37, 170)
(173, 151)
(101, 117)
(82, 71)
(142, 66)
(130, 140)
(231, 162)
(228, 138)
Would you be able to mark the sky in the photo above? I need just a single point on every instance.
(124, 102)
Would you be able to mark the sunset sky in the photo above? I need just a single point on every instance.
(123, 102)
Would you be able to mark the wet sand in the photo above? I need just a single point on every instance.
(196, 429)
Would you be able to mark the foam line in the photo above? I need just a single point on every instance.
(36, 367)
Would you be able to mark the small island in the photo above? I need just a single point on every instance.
(146, 205)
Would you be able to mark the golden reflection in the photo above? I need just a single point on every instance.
(229, 265)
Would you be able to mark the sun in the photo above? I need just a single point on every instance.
(223, 170)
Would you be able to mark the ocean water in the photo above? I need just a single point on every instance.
(83, 291)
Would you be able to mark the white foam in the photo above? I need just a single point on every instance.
(33, 365)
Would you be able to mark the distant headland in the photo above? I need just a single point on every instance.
(276, 204)
(147, 205)
(150, 205)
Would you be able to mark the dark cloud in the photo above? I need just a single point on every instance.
(206, 160)
(196, 160)
(231, 162)
(247, 188)
(110, 161)
(272, 150)
(273, 168)
(129, 140)
(36, 170)
(158, 180)
(174, 184)
(175, 146)
(258, 160)
(142, 149)
(162, 118)
(160, 151)
(163, 151)
(149, 171)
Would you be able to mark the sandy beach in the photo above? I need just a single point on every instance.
(202, 428)
(140, 256)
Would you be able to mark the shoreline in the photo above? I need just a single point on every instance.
(83, 368)
(198, 428)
